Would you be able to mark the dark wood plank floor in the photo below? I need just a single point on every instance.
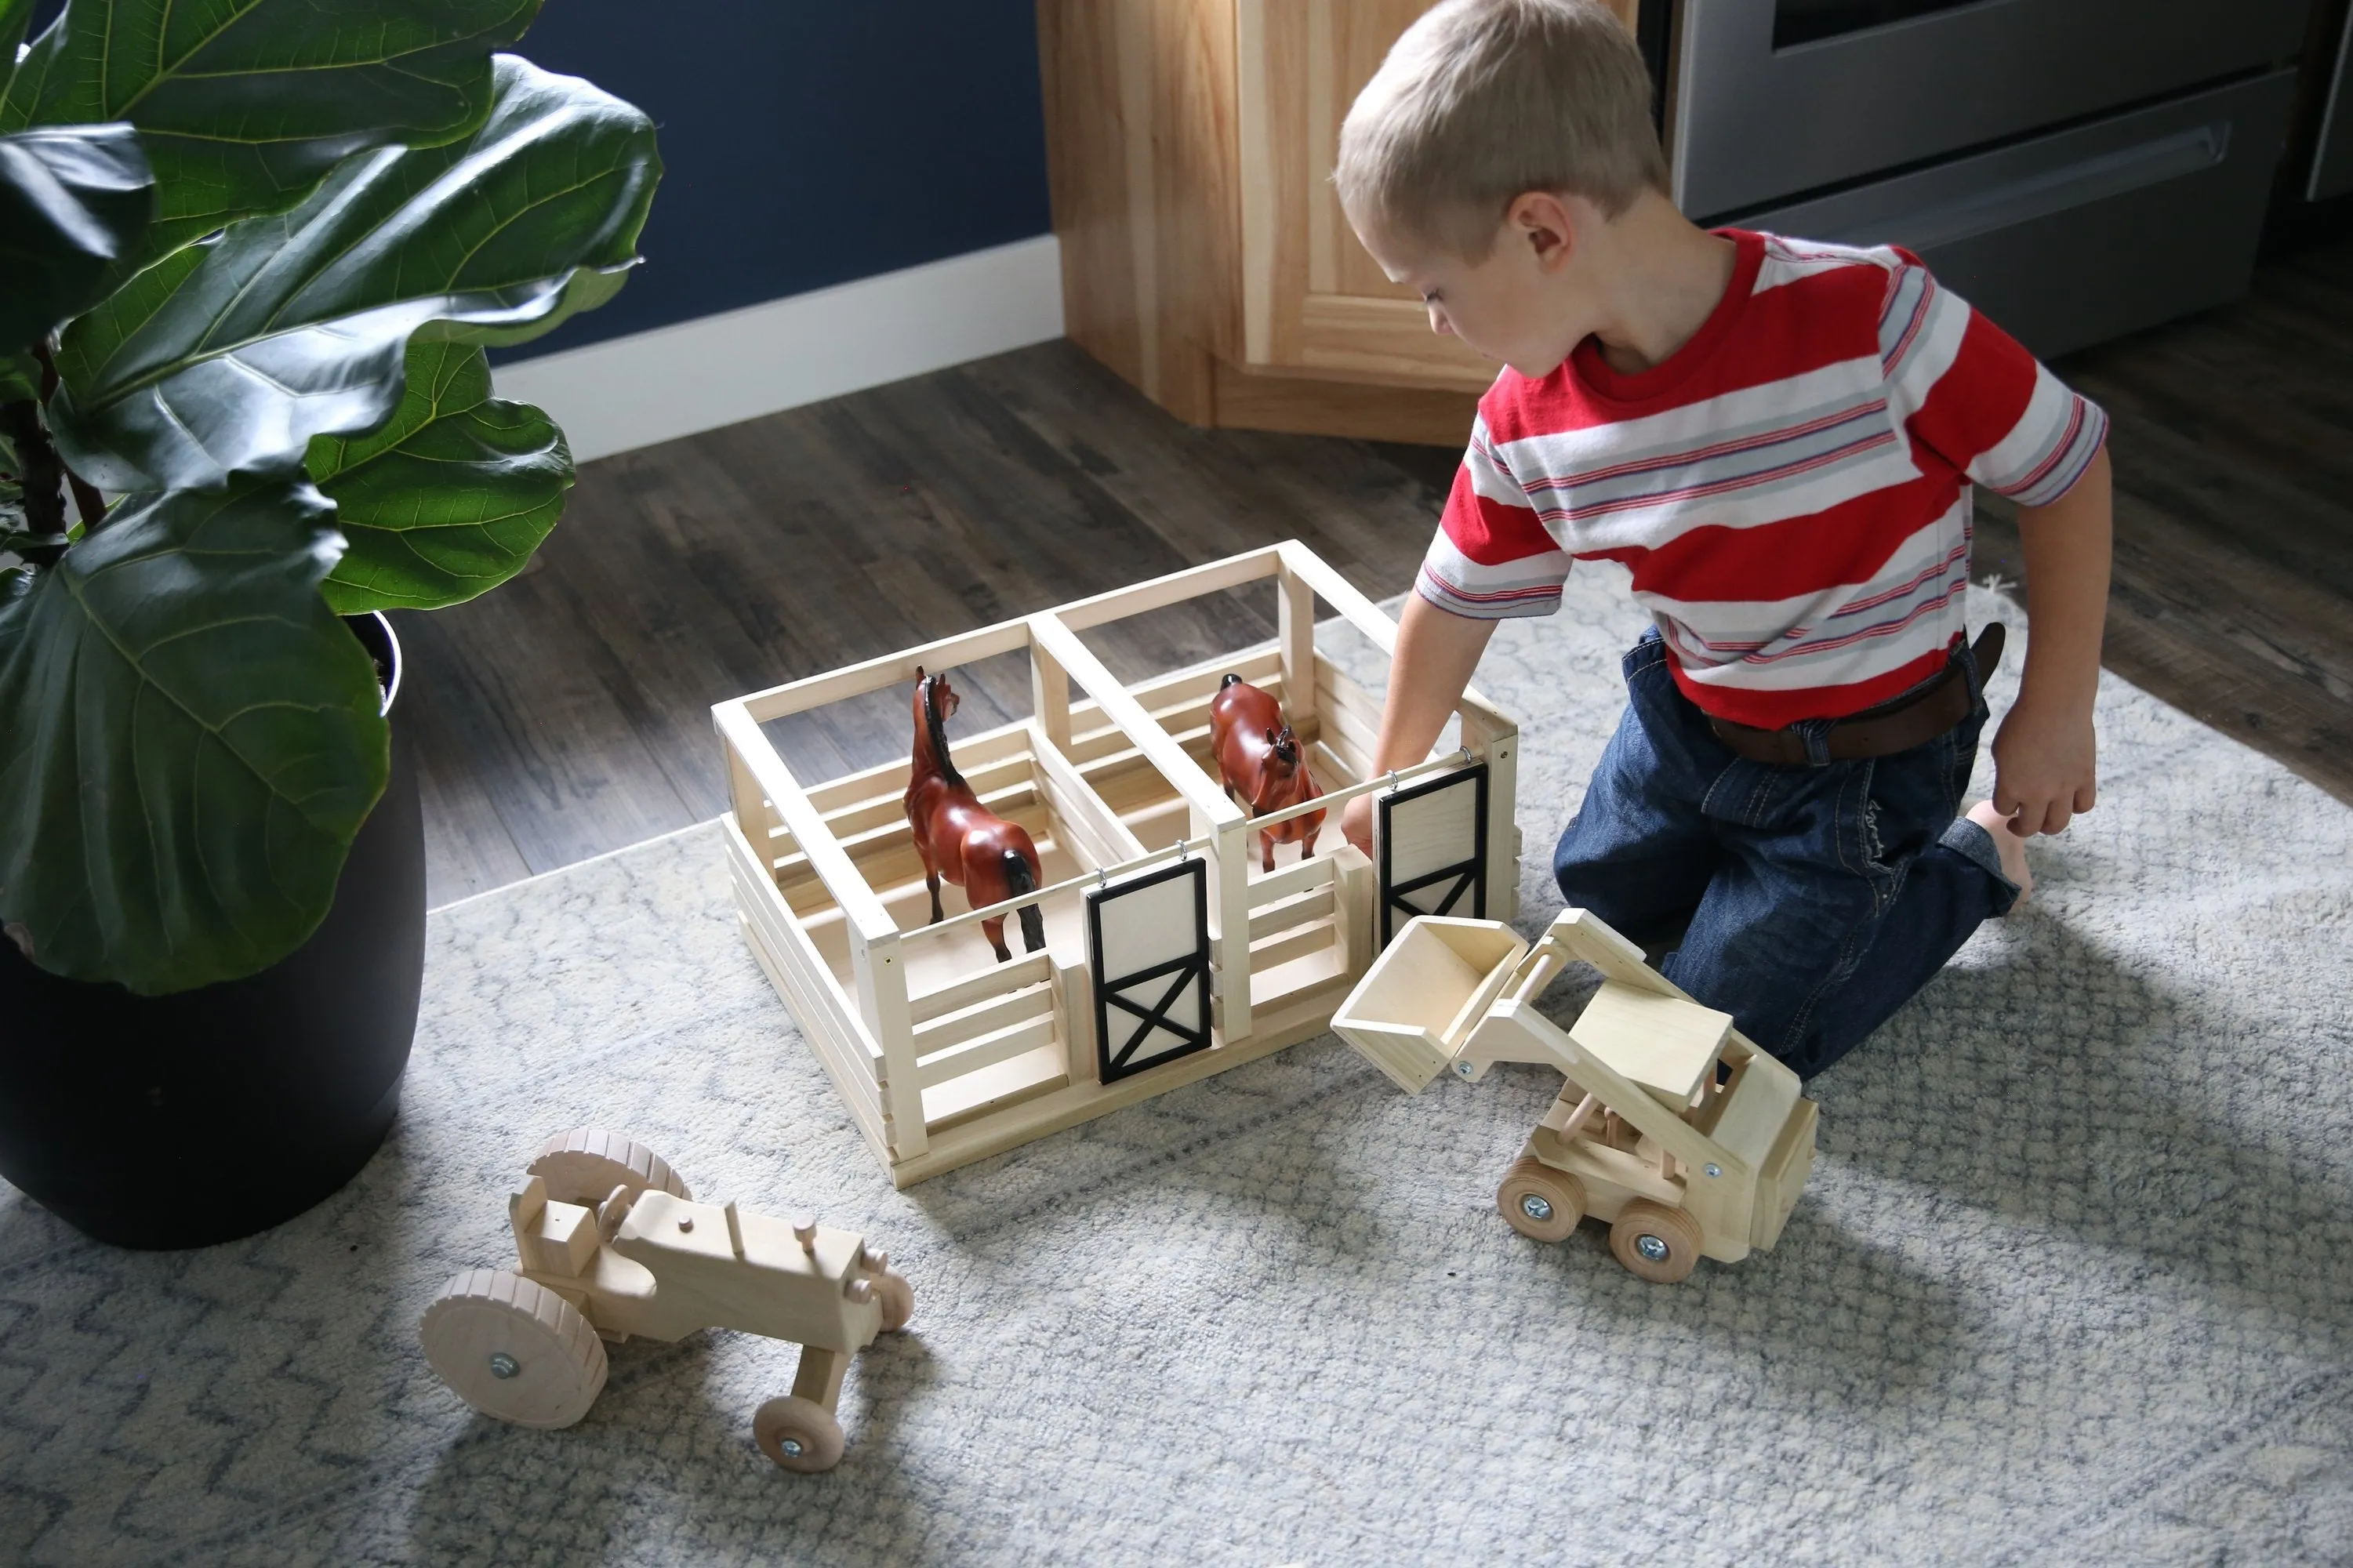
(2232, 443)
(567, 714)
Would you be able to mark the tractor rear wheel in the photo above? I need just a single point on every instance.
(798, 1434)
(1655, 1242)
(1539, 1202)
(513, 1349)
(584, 1166)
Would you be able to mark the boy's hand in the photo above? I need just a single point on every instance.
(2045, 767)
(1436, 651)
(2043, 755)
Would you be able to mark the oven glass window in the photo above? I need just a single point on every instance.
(1804, 21)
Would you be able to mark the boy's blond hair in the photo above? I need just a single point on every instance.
(1481, 100)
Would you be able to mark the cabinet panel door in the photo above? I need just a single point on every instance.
(1313, 300)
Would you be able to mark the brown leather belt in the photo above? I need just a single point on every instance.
(1912, 720)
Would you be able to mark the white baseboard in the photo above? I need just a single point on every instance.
(696, 375)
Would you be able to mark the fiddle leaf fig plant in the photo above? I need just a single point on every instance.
(71, 200)
(449, 498)
(250, 254)
(203, 733)
(244, 105)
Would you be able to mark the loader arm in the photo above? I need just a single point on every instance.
(1516, 1032)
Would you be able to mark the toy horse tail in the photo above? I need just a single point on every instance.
(1033, 919)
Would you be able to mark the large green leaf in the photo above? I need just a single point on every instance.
(15, 15)
(245, 104)
(232, 356)
(450, 497)
(189, 739)
(73, 199)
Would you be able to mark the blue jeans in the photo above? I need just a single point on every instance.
(1808, 902)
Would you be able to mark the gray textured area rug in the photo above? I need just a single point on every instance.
(2072, 1282)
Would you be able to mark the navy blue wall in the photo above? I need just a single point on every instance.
(809, 141)
(805, 142)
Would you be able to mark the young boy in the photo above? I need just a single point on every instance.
(1777, 438)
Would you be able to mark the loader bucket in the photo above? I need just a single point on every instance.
(1414, 1009)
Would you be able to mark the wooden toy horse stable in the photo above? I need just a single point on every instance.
(1171, 953)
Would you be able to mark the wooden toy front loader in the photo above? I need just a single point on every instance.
(1673, 1128)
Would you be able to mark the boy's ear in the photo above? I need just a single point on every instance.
(1544, 223)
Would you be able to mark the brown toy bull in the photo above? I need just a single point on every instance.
(1259, 761)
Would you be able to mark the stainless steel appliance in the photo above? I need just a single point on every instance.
(2075, 168)
(2332, 159)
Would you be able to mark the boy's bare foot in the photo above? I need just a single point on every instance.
(2009, 845)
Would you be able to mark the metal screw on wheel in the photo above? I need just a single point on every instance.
(513, 1350)
(798, 1435)
(1539, 1202)
(1655, 1242)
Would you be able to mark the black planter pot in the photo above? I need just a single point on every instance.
(183, 1121)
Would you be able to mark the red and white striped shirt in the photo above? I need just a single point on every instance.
(1791, 488)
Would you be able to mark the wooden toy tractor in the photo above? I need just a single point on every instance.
(612, 1243)
(1673, 1128)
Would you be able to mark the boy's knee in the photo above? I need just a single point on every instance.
(1575, 867)
(1590, 876)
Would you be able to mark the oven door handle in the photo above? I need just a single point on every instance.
(2047, 192)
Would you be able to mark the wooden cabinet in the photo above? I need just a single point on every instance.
(1313, 300)
(1204, 257)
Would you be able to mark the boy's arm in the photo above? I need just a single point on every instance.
(2044, 762)
(1436, 652)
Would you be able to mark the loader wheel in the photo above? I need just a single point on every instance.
(1654, 1242)
(800, 1435)
(1539, 1202)
(513, 1349)
(584, 1166)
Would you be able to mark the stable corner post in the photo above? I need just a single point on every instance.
(1049, 696)
(1074, 1000)
(1294, 613)
(1231, 864)
(881, 969)
(1497, 741)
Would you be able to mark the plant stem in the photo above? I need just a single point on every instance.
(87, 499)
(44, 501)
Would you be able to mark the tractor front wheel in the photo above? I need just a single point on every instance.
(1539, 1202)
(898, 1299)
(513, 1349)
(1655, 1242)
(800, 1435)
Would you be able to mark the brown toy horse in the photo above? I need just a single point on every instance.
(1258, 755)
(990, 859)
